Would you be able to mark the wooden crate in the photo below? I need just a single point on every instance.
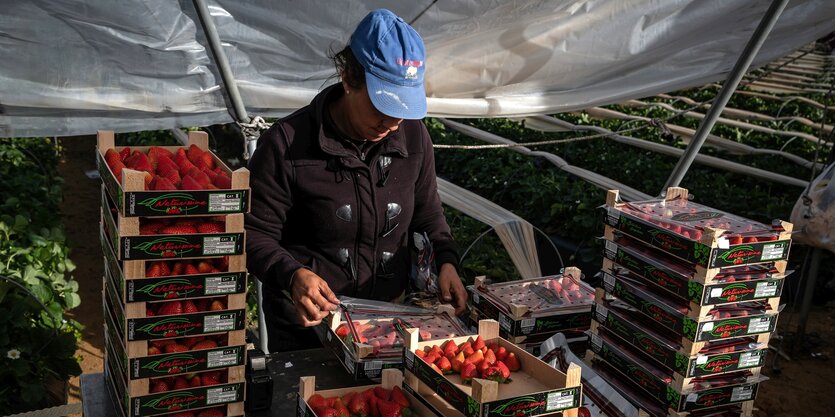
(132, 199)
(708, 247)
(390, 379)
(676, 352)
(695, 284)
(537, 388)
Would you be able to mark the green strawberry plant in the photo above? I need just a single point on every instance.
(37, 341)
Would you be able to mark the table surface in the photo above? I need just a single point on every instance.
(285, 368)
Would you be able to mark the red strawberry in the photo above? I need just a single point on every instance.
(182, 162)
(398, 397)
(512, 362)
(210, 378)
(175, 347)
(222, 181)
(217, 305)
(444, 365)
(178, 268)
(501, 353)
(493, 373)
(342, 330)
(153, 350)
(116, 167)
(189, 183)
(140, 162)
(212, 412)
(124, 153)
(159, 386)
(170, 307)
(206, 344)
(150, 228)
(183, 414)
(204, 267)
(191, 270)
(177, 230)
(359, 406)
(154, 271)
(200, 157)
(468, 372)
(388, 408)
(325, 411)
(112, 155)
(155, 153)
(479, 343)
(180, 383)
(163, 268)
(490, 357)
(341, 409)
(162, 184)
(200, 177)
(382, 393)
(504, 369)
(189, 307)
(211, 227)
(316, 401)
(195, 382)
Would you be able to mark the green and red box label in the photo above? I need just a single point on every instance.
(185, 325)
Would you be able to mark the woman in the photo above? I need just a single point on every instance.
(339, 186)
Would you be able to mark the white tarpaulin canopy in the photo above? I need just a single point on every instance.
(69, 67)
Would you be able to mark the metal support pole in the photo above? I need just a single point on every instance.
(806, 303)
(739, 69)
(222, 62)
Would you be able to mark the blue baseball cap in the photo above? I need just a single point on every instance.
(394, 58)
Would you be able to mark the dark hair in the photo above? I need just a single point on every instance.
(348, 67)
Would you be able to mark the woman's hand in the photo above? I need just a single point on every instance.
(452, 290)
(312, 297)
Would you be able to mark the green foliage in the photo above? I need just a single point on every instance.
(37, 342)
(563, 205)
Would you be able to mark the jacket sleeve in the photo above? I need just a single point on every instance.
(429, 214)
(270, 180)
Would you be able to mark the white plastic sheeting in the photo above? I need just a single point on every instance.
(69, 67)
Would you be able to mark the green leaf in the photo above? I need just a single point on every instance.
(72, 300)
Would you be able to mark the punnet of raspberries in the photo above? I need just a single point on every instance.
(186, 169)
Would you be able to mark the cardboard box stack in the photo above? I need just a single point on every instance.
(689, 298)
(174, 288)
(530, 311)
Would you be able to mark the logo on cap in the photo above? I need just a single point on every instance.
(411, 73)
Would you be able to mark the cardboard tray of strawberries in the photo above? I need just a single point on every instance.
(705, 405)
(676, 353)
(212, 400)
(494, 376)
(698, 234)
(387, 399)
(378, 334)
(170, 180)
(535, 306)
(722, 285)
(707, 323)
(139, 282)
(662, 384)
(137, 238)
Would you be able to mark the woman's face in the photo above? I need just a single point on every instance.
(364, 119)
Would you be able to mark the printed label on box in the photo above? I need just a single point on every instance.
(749, 359)
(219, 245)
(759, 325)
(742, 393)
(219, 323)
(222, 358)
(773, 251)
(559, 401)
(221, 395)
(766, 289)
(224, 202)
(221, 285)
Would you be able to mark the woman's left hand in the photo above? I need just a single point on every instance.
(452, 290)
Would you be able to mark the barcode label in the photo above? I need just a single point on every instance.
(221, 285)
(765, 289)
(219, 245)
(749, 359)
(611, 248)
(759, 325)
(219, 323)
(221, 395)
(773, 251)
(559, 401)
(224, 202)
(505, 322)
(602, 312)
(373, 366)
(741, 394)
(222, 358)
(528, 325)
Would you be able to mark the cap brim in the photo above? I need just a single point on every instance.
(396, 101)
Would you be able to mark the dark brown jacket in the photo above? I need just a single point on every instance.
(317, 204)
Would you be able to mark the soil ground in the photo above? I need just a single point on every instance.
(805, 385)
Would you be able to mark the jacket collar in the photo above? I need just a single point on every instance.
(394, 143)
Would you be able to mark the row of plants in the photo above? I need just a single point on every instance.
(37, 339)
(564, 206)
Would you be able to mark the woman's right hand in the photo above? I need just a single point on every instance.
(312, 297)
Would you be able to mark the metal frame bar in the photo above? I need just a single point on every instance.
(728, 88)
